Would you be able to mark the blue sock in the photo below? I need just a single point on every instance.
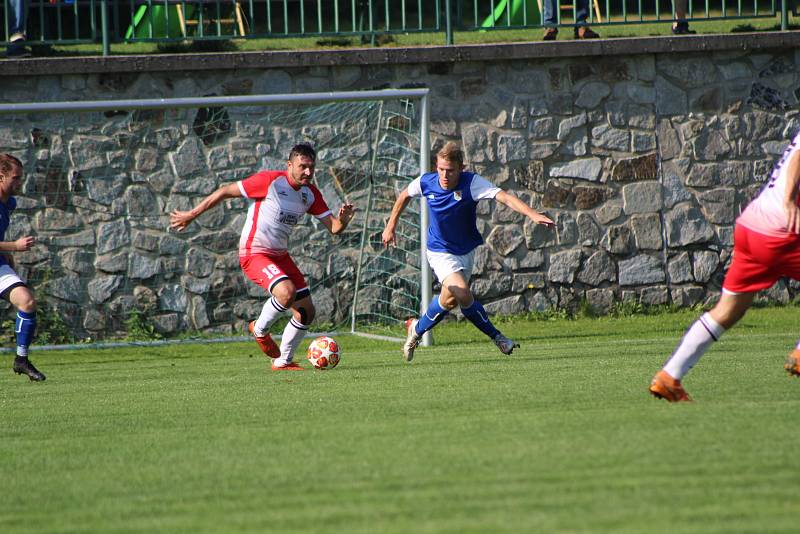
(477, 316)
(24, 327)
(432, 316)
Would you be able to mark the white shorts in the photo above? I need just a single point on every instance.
(8, 278)
(444, 264)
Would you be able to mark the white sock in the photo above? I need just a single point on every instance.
(293, 334)
(695, 342)
(22, 352)
(269, 313)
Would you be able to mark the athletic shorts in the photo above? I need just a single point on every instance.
(760, 260)
(268, 270)
(9, 279)
(444, 264)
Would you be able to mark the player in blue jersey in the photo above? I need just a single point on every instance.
(453, 195)
(12, 288)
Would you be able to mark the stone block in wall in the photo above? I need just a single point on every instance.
(636, 169)
(687, 296)
(600, 301)
(494, 285)
(608, 213)
(542, 150)
(556, 196)
(668, 144)
(143, 267)
(778, 293)
(584, 169)
(94, 321)
(673, 174)
(711, 145)
(114, 263)
(198, 316)
(538, 236)
(641, 270)
(670, 99)
(505, 239)
(718, 205)
(654, 296)
(687, 226)
(642, 197)
(605, 136)
(523, 281)
(647, 231)
(566, 126)
(587, 197)
(539, 302)
(575, 143)
(588, 231)
(598, 268)
(507, 306)
(478, 144)
(66, 287)
(166, 323)
(530, 175)
(511, 148)
(566, 229)
(541, 129)
(78, 260)
(199, 286)
(112, 236)
(733, 173)
(531, 260)
(172, 297)
(618, 240)
(704, 265)
(563, 266)
(591, 94)
(102, 287)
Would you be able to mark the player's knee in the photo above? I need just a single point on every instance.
(448, 303)
(22, 298)
(284, 293)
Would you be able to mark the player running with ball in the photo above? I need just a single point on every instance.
(766, 247)
(278, 200)
(453, 195)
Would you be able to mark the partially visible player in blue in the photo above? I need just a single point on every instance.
(12, 288)
(453, 195)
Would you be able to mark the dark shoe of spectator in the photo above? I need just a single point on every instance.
(584, 32)
(681, 27)
(17, 49)
(550, 34)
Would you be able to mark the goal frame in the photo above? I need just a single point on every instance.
(421, 95)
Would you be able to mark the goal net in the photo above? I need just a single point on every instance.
(101, 179)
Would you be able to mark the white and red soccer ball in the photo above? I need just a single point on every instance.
(323, 353)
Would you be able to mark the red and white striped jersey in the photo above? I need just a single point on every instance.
(766, 214)
(275, 208)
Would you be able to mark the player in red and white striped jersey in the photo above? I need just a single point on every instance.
(278, 201)
(766, 248)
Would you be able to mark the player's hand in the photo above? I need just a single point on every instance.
(24, 243)
(346, 213)
(180, 219)
(792, 217)
(544, 220)
(388, 237)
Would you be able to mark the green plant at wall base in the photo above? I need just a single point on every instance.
(139, 327)
(50, 327)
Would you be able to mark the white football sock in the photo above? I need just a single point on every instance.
(269, 313)
(695, 342)
(293, 334)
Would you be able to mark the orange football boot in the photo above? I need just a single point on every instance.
(664, 386)
(792, 364)
(265, 342)
(291, 366)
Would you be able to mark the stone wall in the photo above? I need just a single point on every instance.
(642, 154)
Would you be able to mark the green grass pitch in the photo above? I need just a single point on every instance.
(560, 437)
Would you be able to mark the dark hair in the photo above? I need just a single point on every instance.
(303, 149)
(8, 163)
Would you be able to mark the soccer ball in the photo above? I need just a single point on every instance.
(323, 353)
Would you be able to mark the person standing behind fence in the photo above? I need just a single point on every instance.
(12, 288)
(550, 16)
(681, 25)
(17, 16)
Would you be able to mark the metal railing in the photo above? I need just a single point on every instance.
(165, 21)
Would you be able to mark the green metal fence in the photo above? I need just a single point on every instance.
(163, 21)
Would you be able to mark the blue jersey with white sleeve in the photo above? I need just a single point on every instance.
(453, 218)
(5, 221)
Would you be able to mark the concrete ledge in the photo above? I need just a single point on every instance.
(388, 56)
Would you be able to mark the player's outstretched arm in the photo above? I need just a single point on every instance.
(336, 225)
(388, 237)
(181, 219)
(520, 207)
(791, 192)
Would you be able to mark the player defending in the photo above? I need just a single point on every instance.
(12, 288)
(766, 247)
(278, 200)
(453, 195)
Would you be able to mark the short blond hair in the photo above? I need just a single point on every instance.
(8, 163)
(451, 152)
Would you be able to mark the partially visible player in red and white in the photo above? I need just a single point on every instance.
(766, 248)
(278, 201)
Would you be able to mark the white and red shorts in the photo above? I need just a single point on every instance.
(760, 260)
(267, 270)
